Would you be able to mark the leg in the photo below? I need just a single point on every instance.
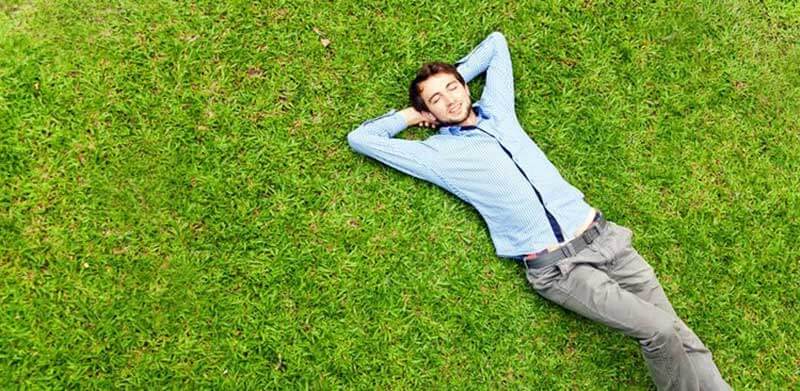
(635, 275)
(590, 292)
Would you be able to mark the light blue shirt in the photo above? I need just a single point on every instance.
(495, 167)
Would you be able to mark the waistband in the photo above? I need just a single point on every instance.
(568, 249)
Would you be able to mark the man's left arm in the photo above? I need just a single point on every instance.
(491, 56)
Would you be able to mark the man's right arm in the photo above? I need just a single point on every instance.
(375, 138)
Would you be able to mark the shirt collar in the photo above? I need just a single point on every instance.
(480, 112)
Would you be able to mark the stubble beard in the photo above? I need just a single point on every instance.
(463, 118)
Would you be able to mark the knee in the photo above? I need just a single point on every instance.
(664, 333)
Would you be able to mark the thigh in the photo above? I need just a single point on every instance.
(635, 275)
(590, 292)
(630, 270)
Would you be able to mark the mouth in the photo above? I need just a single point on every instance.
(456, 109)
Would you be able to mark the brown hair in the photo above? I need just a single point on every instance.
(424, 72)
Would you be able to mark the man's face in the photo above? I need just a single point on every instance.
(447, 99)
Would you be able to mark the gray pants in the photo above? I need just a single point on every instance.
(609, 282)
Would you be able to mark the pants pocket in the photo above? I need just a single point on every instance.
(543, 281)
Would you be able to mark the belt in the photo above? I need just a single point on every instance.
(568, 249)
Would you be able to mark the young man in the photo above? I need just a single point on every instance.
(572, 255)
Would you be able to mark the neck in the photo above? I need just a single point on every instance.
(472, 119)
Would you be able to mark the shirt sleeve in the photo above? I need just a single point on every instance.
(375, 138)
(491, 56)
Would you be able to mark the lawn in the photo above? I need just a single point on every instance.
(179, 206)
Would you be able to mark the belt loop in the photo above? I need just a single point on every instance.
(568, 250)
(588, 235)
(592, 233)
(521, 259)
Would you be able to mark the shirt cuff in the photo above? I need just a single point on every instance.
(396, 122)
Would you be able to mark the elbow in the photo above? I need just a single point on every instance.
(354, 140)
(499, 37)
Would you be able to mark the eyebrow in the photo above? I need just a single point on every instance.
(439, 93)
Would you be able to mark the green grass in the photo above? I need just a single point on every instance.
(179, 206)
